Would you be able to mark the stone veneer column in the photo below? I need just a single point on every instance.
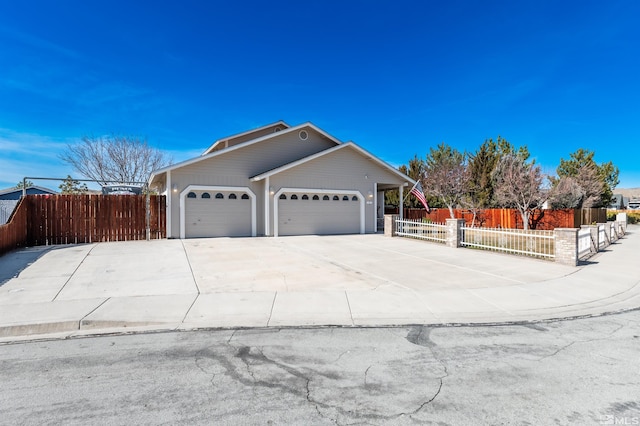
(390, 225)
(454, 232)
(566, 246)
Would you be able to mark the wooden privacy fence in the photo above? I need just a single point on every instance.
(510, 218)
(13, 234)
(75, 219)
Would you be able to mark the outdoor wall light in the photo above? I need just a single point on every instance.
(174, 187)
(370, 194)
(271, 191)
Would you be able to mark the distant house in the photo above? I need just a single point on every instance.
(634, 203)
(618, 202)
(9, 199)
(277, 180)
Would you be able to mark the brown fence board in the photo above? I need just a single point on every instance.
(76, 219)
(13, 234)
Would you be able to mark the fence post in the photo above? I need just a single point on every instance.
(454, 232)
(595, 242)
(566, 246)
(390, 225)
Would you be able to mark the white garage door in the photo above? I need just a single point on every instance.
(217, 214)
(318, 214)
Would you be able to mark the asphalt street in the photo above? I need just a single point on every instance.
(567, 372)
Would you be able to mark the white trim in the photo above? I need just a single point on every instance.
(169, 191)
(375, 207)
(189, 188)
(276, 198)
(237, 135)
(240, 146)
(328, 151)
(266, 207)
(401, 205)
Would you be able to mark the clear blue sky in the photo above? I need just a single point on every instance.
(396, 77)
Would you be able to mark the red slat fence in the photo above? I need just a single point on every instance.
(13, 234)
(511, 219)
(76, 219)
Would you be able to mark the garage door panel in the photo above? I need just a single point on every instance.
(309, 217)
(217, 217)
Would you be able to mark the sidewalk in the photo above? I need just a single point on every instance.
(356, 280)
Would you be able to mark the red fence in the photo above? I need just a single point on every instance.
(510, 218)
(74, 219)
(13, 234)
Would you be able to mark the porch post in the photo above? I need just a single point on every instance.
(266, 206)
(401, 201)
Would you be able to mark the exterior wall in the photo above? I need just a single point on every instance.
(343, 169)
(254, 135)
(15, 195)
(236, 167)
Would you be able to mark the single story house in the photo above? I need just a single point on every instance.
(277, 180)
(9, 198)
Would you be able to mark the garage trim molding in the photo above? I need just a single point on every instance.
(183, 196)
(276, 197)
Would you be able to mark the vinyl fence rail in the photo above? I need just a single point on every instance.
(534, 243)
(585, 243)
(602, 237)
(429, 231)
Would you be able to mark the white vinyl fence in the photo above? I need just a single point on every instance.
(533, 243)
(430, 231)
(584, 242)
(602, 237)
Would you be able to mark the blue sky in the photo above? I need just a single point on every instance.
(396, 77)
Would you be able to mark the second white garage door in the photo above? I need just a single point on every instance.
(217, 214)
(318, 214)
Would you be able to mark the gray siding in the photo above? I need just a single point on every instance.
(343, 169)
(236, 167)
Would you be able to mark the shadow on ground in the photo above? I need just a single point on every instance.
(13, 263)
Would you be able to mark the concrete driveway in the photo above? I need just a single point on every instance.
(308, 280)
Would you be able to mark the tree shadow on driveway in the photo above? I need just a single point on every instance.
(13, 263)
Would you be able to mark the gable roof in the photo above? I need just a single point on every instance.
(39, 188)
(243, 145)
(248, 132)
(349, 144)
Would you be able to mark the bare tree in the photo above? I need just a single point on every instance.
(519, 185)
(446, 176)
(566, 194)
(585, 189)
(115, 159)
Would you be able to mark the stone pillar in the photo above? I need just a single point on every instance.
(390, 225)
(595, 242)
(566, 246)
(454, 232)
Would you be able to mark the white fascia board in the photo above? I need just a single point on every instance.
(237, 135)
(328, 151)
(242, 145)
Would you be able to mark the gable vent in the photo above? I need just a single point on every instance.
(303, 135)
